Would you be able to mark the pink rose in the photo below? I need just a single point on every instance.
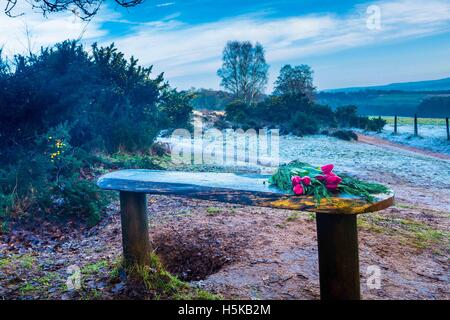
(333, 179)
(296, 180)
(306, 180)
(298, 189)
(321, 178)
(327, 168)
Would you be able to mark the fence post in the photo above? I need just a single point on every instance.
(395, 124)
(448, 132)
(416, 133)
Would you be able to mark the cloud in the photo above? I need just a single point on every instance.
(31, 30)
(185, 50)
(182, 49)
(166, 4)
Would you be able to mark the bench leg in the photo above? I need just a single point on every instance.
(337, 239)
(135, 239)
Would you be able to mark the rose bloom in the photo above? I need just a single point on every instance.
(333, 179)
(298, 189)
(306, 180)
(327, 168)
(296, 180)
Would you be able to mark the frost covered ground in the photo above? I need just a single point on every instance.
(431, 136)
(419, 178)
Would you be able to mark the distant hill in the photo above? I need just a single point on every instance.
(427, 85)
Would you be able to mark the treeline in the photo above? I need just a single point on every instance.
(60, 109)
(208, 99)
(390, 102)
(298, 115)
(434, 107)
(292, 106)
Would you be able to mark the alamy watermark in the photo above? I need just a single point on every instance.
(73, 281)
(373, 273)
(373, 21)
(226, 148)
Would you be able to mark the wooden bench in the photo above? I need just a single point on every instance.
(336, 220)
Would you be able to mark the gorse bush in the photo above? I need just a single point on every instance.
(48, 180)
(296, 114)
(61, 106)
(109, 103)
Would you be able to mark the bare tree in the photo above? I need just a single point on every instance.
(85, 9)
(244, 70)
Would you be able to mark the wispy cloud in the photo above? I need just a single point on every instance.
(165, 4)
(181, 49)
(193, 50)
(31, 30)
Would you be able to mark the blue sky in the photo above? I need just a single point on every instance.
(184, 38)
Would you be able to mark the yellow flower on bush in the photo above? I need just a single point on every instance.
(58, 147)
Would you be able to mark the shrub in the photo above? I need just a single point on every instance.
(347, 116)
(75, 197)
(47, 180)
(290, 113)
(237, 111)
(372, 124)
(62, 106)
(302, 124)
(347, 135)
(109, 103)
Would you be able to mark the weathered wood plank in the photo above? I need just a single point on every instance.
(246, 189)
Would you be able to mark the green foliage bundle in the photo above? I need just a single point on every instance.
(317, 187)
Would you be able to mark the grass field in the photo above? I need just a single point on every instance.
(432, 133)
(410, 120)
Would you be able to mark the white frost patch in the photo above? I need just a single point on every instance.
(431, 137)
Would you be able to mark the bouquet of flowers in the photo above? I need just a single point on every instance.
(304, 179)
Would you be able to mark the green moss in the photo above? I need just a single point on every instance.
(27, 288)
(409, 231)
(212, 211)
(94, 267)
(27, 261)
(197, 294)
(4, 262)
(293, 216)
(311, 216)
(92, 294)
(48, 279)
(405, 206)
(40, 285)
(160, 282)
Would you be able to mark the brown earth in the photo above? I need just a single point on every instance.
(236, 251)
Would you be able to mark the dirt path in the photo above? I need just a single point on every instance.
(236, 251)
(385, 143)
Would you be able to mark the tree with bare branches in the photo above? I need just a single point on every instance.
(85, 9)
